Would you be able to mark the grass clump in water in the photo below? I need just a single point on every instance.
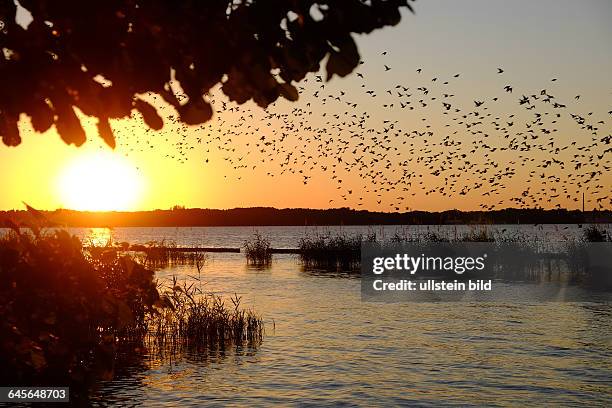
(258, 250)
(161, 254)
(153, 254)
(195, 319)
(596, 233)
(339, 252)
(478, 235)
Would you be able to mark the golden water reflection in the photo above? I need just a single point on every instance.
(98, 237)
(324, 346)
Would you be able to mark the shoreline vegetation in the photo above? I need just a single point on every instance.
(525, 257)
(267, 216)
(66, 308)
(67, 312)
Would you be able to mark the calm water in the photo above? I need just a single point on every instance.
(289, 237)
(324, 346)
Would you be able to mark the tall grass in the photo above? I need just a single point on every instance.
(475, 234)
(333, 252)
(343, 252)
(153, 254)
(258, 250)
(596, 233)
(196, 319)
(515, 254)
(161, 254)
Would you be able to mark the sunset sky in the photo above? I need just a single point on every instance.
(532, 41)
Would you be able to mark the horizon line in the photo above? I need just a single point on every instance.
(182, 208)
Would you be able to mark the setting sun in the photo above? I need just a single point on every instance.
(100, 182)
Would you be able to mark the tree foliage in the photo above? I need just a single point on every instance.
(100, 55)
(61, 312)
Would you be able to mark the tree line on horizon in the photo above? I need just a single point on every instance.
(262, 216)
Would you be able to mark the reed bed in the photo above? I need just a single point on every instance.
(161, 254)
(153, 254)
(196, 319)
(475, 234)
(258, 250)
(333, 252)
(596, 233)
(516, 254)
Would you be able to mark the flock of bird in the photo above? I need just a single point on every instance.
(384, 148)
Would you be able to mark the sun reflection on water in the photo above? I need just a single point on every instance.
(98, 237)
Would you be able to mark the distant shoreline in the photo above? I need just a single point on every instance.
(267, 216)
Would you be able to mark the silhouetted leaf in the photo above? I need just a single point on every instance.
(106, 132)
(135, 46)
(149, 114)
(69, 126)
(195, 112)
(42, 116)
(289, 92)
(9, 131)
(343, 62)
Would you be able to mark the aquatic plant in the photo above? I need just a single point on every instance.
(482, 234)
(161, 254)
(338, 252)
(596, 233)
(258, 250)
(153, 254)
(194, 318)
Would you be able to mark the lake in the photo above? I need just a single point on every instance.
(324, 346)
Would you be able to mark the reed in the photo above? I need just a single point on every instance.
(153, 254)
(195, 319)
(596, 233)
(333, 252)
(258, 250)
(482, 234)
(161, 254)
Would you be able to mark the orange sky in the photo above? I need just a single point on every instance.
(474, 40)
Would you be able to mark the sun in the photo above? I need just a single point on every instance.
(100, 182)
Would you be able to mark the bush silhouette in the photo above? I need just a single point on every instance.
(61, 313)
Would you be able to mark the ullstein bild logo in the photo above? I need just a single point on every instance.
(413, 264)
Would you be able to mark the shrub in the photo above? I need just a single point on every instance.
(61, 311)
